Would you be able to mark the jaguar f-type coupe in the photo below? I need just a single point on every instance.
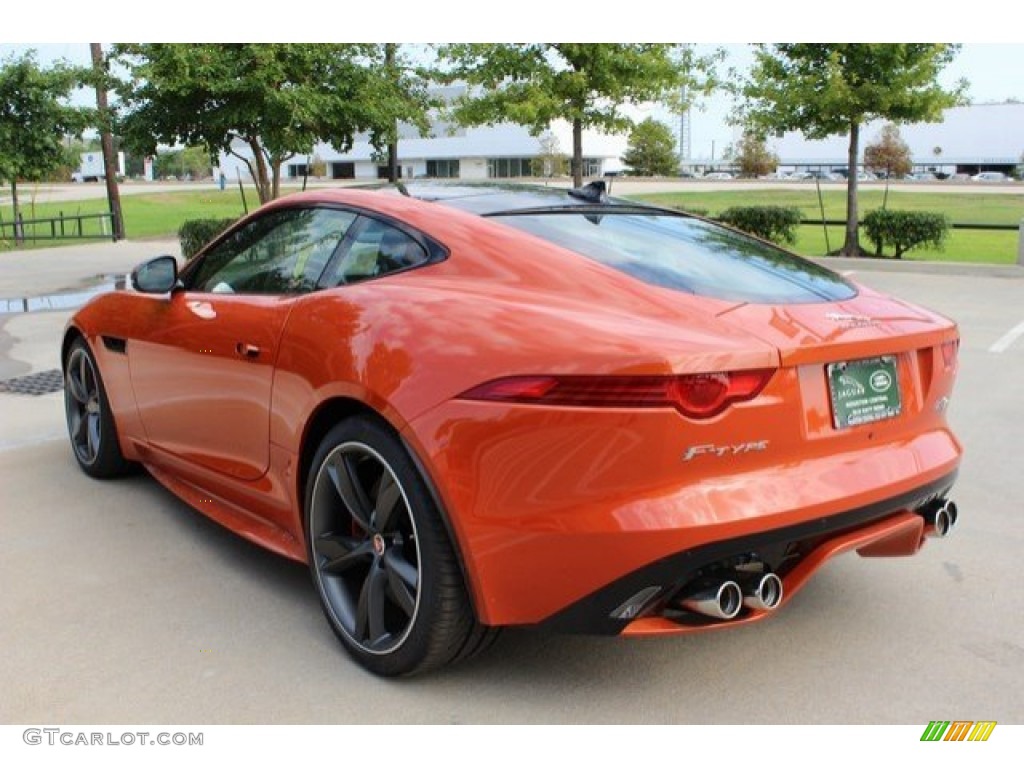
(473, 407)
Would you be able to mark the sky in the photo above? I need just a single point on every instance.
(994, 70)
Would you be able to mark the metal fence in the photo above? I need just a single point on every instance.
(966, 225)
(80, 226)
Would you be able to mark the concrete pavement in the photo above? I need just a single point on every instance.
(121, 604)
(31, 341)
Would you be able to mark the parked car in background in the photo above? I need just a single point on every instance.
(989, 176)
(718, 176)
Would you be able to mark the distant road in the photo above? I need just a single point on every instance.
(54, 193)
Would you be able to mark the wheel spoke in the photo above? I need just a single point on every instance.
(75, 386)
(398, 586)
(342, 552)
(77, 426)
(346, 482)
(83, 375)
(370, 610)
(93, 420)
(388, 496)
(402, 568)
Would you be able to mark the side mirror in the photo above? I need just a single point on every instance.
(159, 275)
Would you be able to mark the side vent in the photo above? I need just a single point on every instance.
(115, 344)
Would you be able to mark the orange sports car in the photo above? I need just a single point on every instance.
(470, 407)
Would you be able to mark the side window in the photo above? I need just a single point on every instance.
(282, 252)
(376, 249)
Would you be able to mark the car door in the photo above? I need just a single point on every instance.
(202, 367)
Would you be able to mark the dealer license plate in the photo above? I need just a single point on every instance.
(863, 391)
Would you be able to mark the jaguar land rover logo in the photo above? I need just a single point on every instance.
(849, 386)
(880, 381)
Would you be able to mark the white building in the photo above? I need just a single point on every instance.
(980, 137)
(502, 151)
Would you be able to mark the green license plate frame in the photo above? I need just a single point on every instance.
(864, 391)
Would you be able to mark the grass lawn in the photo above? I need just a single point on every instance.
(961, 207)
(161, 213)
(145, 216)
(980, 246)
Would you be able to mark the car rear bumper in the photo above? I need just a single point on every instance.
(554, 532)
(889, 528)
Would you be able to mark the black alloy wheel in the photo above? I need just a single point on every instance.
(381, 559)
(90, 422)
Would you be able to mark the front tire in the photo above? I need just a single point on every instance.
(90, 422)
(381, 560)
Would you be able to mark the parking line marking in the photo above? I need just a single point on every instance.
(1007, 339)
(11, 445)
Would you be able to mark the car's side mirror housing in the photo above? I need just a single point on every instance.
(159, 275)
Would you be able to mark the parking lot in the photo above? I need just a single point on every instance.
(121, 604)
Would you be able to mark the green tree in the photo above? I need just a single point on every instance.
(36, 119)
(193, 162)
(586, 84)
(829, 89)
(889, 153)
(278, 100)
(398, 94)
(550, 160)
(651, 150)
(752, 156)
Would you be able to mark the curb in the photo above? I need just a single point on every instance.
(844, 264)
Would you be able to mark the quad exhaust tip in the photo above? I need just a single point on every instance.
(719, 601)
(942, 517)
(763, 592)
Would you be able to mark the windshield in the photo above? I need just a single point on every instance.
(686, 255)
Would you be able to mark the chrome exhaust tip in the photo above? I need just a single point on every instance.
(762, 592)
(942, 517)
(952, 513)
(719, 601)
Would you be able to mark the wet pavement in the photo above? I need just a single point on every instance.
(39, 289)
(65, 300)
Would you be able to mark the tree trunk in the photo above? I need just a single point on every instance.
(262, 180)
(107, 143)
(851, 247)
(577, 153)
(389, 65)
(19, 235)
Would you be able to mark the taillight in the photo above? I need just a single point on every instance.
(949, 353)
(699, 396)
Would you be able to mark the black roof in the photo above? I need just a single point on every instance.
(492, 198)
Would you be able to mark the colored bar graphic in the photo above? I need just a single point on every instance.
(958, 730)
(935, 730)
(982, 730)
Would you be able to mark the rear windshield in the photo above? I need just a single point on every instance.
(686, 255)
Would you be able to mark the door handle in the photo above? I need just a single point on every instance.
(250, 351)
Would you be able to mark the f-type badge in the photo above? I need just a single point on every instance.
(721, 451)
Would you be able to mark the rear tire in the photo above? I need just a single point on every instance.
(384, 568)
